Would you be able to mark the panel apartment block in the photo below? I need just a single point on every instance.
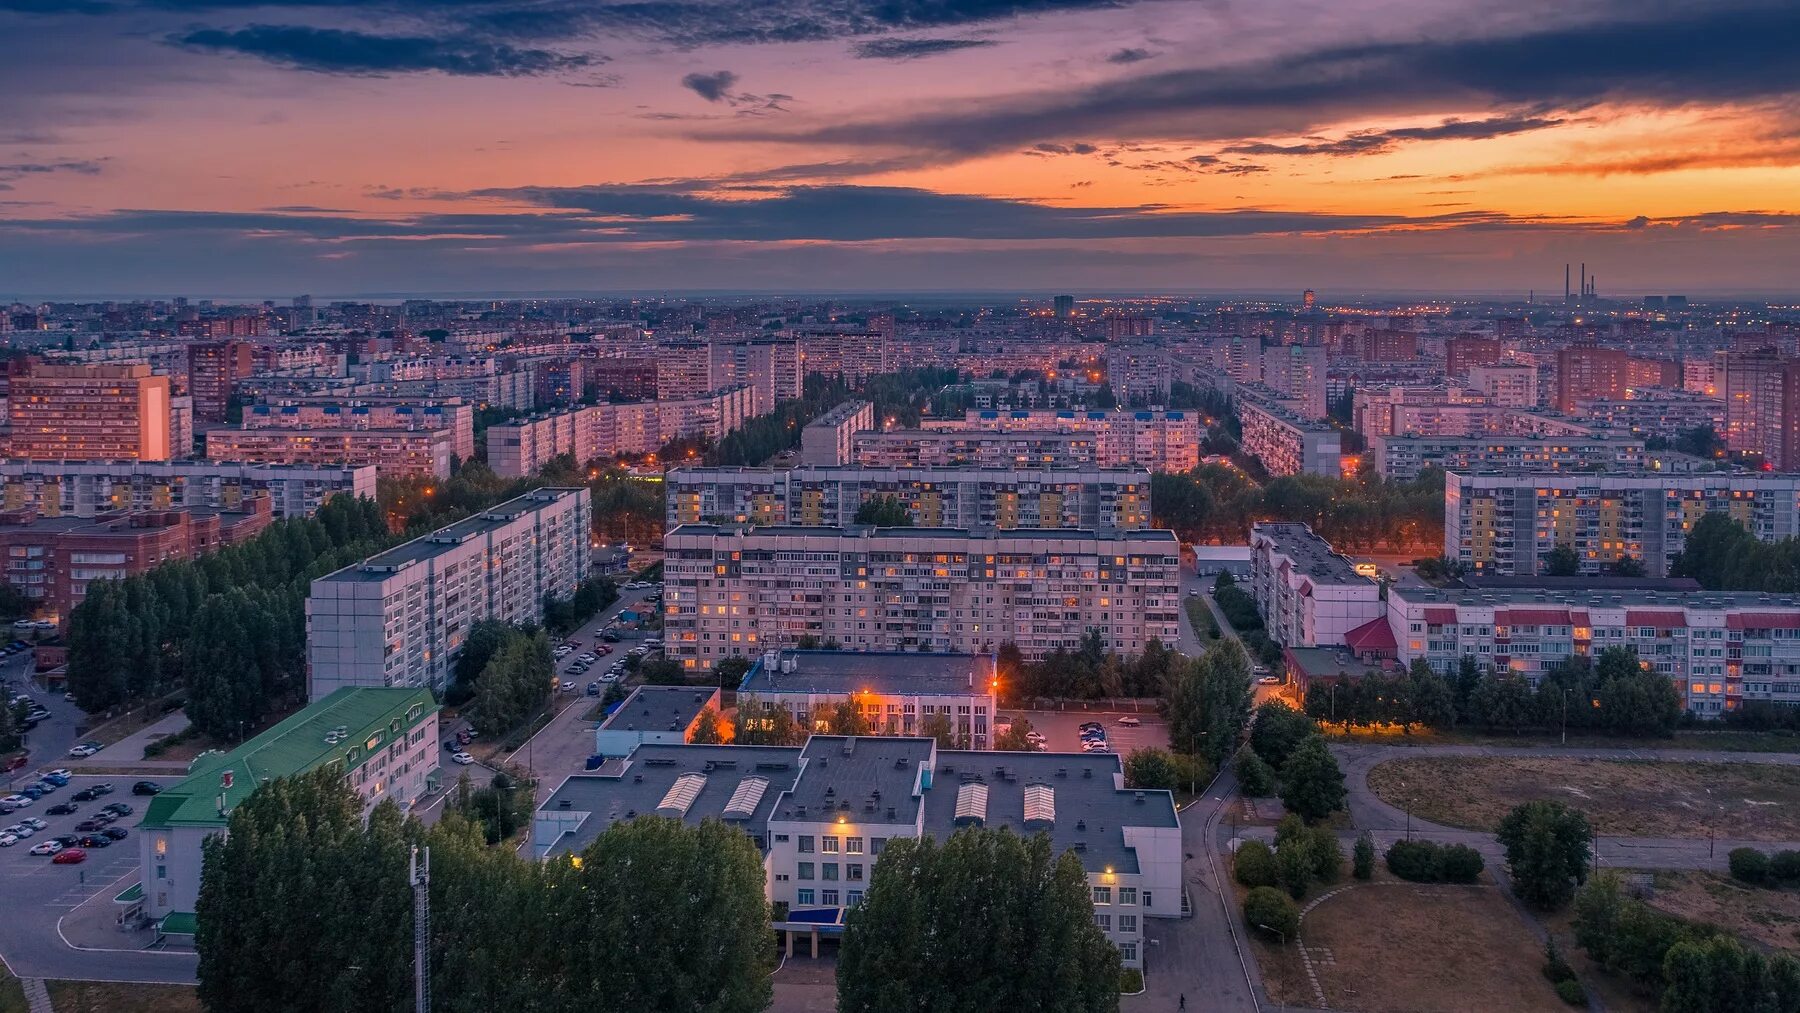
(1309, 595)
(399, 618)
(87, 413)
(830, 438)
(1401, 458)
(393, 452)
(934, 497)
(1287, 444)
(1157, 440)
(735, 591)
(86, 488)
(522, 446)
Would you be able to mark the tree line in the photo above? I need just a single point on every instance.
(1246, 620)
(1723, 556)
(1216, 504)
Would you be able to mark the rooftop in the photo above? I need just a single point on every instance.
(382, 565)
(839, 414)
(1328, 663)
(348, 726)
(869, 779)
(659, 708)
(1311, 554)
(856, 530)
(841, 673)
(1592, 598)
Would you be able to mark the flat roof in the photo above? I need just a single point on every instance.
(659, 709)
(1311, 554)
(641, 783)
(853, 530)
(1327, 662)
(841, 673)
(382, 565)
(864, 778)
(1593, 598)
(338, 728)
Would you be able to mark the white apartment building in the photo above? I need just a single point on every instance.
(830, 439)
(925, 448)
(1287, 444)
(520, 447)
(1309, 596)
(1296, 373)
(736, 591)
(1401, 458)
(934, 497)
(824, 813)
(1507, 386)
(1505, 523)
(1155, 440)
(86, 488)
(895, 693)
(1721, 649)
(399, 618)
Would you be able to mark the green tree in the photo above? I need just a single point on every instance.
(706, 729)
(1363, 857)
(1254, 865)
(1548, 846)
(1278, 731)
(478, 648)
(760, 724)
(1561, 561)
(884, 512)
(1016, 738)
(921, 940)
(1635, 700)
(1311, 783)
(1149, 768)
(1272, 912)
(1256, 779)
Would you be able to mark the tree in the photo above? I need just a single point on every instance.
(1272, 912)
(514, 685)
(272, 910)
(1627, 566)
(1749, 865)
(661, 671)
(1278, 731)
(1362, 860)
(1016, 738)
(921, 940)
(706, 729)
(730, 672)
(1256, 779)
(760, 724)
(1311, 783)
(1254, 865)
(485, 637)
(1635, 700)
(884, 512)
(1294, 867)
(1548, 846)
(1561, 561)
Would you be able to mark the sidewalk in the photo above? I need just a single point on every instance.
(130, 749)
(95, 925)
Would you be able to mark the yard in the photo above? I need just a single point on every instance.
(1768, 917)
(1625, 798)
(111, 997)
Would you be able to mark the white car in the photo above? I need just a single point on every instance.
(59, 772)
(16, 801)
(463, 758)
(589, 658)
(609, 676)
(1268, 680)
(82, 750)
(1130, 721)
(568, 687)
(34, 823)
(24, 624)
(1095, 747)
(7, 840)
(46, 848)
(19, 830)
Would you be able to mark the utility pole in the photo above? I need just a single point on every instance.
(1565, 721)
(420, 878)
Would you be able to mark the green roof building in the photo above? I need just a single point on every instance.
(384, 740)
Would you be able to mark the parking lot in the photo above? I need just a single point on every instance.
(1062, 729)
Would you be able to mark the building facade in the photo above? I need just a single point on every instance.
(897, 694)
(398, 453)
(84, 489)
(1309, 596)
(87, 413)
(1287, 444)
(830, 439)
(1154, 440)
(1401, 458)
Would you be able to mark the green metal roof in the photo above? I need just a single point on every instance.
(345, 728)
(131, 895)
(177, 923)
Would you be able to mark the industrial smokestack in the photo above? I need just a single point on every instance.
(1565, 283)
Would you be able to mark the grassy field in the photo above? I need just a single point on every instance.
(1724, 741)
(12, 997)
(121, 997)
(1201, 618)
(1769, 917)
(1628, 798)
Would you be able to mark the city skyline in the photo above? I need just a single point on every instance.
(258, 150)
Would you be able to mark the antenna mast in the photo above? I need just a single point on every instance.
(420, 878)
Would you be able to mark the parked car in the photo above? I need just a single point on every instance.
(1035, 737)
(116, 833)
(463, 758)
(96, 841)
(1130, 721)
(610, 636)
(588, 658)
(18, 830)
(34, 823)
(146, 788)
(83, 749)
(593, 688)
(603, 649)
(1090, 726)
(60, 775)
(32, 791)
(1268, 680)
(120, 809)
(46, 848)
(62, 809)
(568, 687)
(86, 795)
(70, 856)
(91, 826)
(11, 802)
(1095, 747)
(66, 840)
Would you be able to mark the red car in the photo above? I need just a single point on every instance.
(70, 856)
(603, 649)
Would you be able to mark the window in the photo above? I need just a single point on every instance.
(1103, 895)
(1128, 952)
(1128, 923)
(853, 845)
(876, 844)
(1128, 895)
(828, 870)
(854, 872)
(1103, 920)
(829, 845)
(854, 897)
(781, 838)
(804, 870)
(806, 844)
(803, 897)
(828, 897)
(1146, 898)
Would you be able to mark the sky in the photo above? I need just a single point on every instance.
(267, 148)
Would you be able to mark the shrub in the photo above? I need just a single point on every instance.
(1254, 865)
(1785, 866)
(1749, 865)
(1327, 854)
(1256, 779)
(1362, 862)
(1569, 990)
(1272, 912)
(1556, 969)
(1294, 866)
(1459, 863)
(1414, 861)
(1291, 828)
(1131, 981)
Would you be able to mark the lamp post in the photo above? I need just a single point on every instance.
(1565, 718)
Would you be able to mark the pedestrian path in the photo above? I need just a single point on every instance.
(37, 997)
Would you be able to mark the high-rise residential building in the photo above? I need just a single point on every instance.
(518, 447)
(1138, 374)
(319, 413)
(684, 369)
(932, 497)
(1401, 458)
(88, 412)
(1156, 440)
(1721, 649)
(1063, 306)
(736, 591)
(852, 354)
(384, 742)
(400, 617)
(1287, 444)
(214, 368)
(1465, 351)
(1762, 407)
(88, 488)
(930, 448)
(1506, 386)
(1296, 373)
(1585, 372)
(1384, 345)
(830, 439)
(1310, 595)
(1505, 523)
(394, 452)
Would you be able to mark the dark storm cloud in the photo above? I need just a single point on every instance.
(1123, 56)
(1709, 54)
(712, 87)
(912, 49)
(1370, 142)
(339, 51)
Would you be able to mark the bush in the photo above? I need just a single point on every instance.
(1290, 828)
(1294, 866)
(1254, 865)
(1256, 779)
(1414, 861)
(1131, 981)
(1785, 866)
(1749, 865)
(1312, 784)
(1272, 912)
(1569, 990)
(1556, 969)
(1459, 863)
(1326, 853)
(1362, 861)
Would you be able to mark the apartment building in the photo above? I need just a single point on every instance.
(897, 694)
(1467, 351)
(399, 618)
(87, 488)
(1506, 386)
(519, 447)
(852, 354)
(925, 448)
(1309, 596)
(933, 497)
(87, 412)
(1721, 649)
(1663, 413)
(213, 370)
(385, 741)
(1585, 372)
(1287, 444)
(736, 591)
(1296, 374)
(398, 453)
(1166, 441)
(321, 413)
(1505, 523)
(1138, 374)
(1401, 458)
(822, 814)
(1762, 406)
(51, 560)
(830, 439)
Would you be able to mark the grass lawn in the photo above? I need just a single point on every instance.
(12, 997)
(1201, 618)
(121, 997)
(1722, 740)
(1769, 917)
(1394, 948)
(1627, 798)
(1616, 994)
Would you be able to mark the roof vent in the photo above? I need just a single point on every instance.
(1087, 772)
(900, 763)
(565, 803)
(1062, 772)
(890, 812)
(1081, 824)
